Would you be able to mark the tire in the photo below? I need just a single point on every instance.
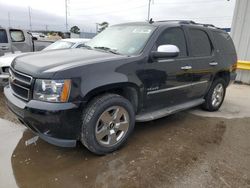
(214, 95)
(107, 122)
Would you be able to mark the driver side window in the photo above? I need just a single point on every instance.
(174, 36)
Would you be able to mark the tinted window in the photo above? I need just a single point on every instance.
(3, 36)
(17, 36)
(174, 36)
(201, 45)
(224, 42)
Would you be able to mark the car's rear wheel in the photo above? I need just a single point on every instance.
(215, 95)
(108, 121)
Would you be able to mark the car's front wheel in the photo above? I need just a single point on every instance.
(108, 121)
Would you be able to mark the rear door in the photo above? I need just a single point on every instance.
(203, 61)
(4, 42)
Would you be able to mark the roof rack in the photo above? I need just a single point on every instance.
(178, 21)
(189, 22)
(206, 25)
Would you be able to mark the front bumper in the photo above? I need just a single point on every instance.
(57, 123)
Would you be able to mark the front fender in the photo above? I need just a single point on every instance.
(104, 81)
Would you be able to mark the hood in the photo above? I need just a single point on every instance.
(46, 63)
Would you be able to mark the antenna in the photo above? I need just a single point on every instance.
(149, 6)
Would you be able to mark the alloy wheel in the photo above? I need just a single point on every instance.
(112, 126)
(217, 95)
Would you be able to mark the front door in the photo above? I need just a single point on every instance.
(20, 41)
(168, 81)
(4, 42)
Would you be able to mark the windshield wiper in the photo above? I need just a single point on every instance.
(107, 49)
(86, 46)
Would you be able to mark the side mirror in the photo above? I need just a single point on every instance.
(34, 38)
(165, 51)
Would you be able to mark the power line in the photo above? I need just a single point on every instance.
(111, 11)
(99, 6)
(126, 3)
(189, 2)
(149, 7)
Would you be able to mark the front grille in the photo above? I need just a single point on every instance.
(20, 84)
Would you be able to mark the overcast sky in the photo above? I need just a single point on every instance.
(85, 13)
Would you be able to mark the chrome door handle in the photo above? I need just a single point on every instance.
(186, 68)
(4, 47)
(213, 63)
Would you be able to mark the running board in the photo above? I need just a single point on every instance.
(167, 111)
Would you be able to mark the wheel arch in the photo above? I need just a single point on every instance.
(224, 75)
(128, 90)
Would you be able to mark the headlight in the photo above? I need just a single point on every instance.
(52, 90)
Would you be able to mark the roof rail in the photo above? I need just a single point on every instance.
(207, 25)
(178, 21)
(189, 22)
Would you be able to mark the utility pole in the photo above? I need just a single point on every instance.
(96, 27)
(66, 14)
(9, 18)
(30, 18)
(149, 6)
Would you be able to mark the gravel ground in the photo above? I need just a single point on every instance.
(187, 149)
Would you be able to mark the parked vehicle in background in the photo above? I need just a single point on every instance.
(67, 43)
(38, 36)
(6, 60)
(18, 40)
(129, 72)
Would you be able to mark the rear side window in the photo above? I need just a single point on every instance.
(3, 36)
(174, 36)
(17, 36)
(201, 45)
(224, 42)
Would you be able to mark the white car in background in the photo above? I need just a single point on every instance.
(7, 59)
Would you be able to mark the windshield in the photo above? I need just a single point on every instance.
(59, 45)
(123, 39)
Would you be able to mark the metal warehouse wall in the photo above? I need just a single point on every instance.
(241, 36)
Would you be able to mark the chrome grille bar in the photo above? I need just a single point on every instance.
(20, 84)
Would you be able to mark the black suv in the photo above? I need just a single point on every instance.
(130, 72)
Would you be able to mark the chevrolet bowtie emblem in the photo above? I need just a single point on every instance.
(12, 78)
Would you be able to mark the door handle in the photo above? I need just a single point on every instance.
(213, 63)
(4, 47)
(186, 68)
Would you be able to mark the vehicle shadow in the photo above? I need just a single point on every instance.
(156, 153)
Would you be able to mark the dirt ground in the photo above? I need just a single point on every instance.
(187, 149)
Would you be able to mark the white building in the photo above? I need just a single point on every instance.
(241, 36)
